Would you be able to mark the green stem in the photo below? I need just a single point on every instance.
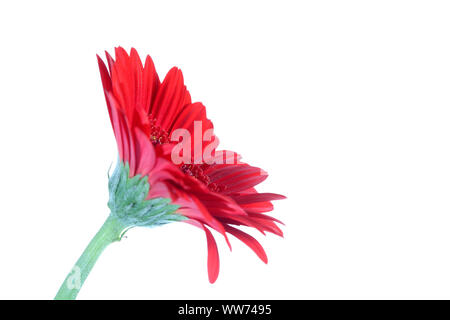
(108, 233)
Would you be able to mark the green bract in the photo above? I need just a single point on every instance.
(128, 203)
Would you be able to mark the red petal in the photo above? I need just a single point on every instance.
(191, 207)
(213, 256)
(263, 216)
(151, 84)
(258, 207)
(170, 99)
(119, 127)
(257, 197)
(251, 242)
(244, 182)
(145, 153)
(213, 253)
(227, 174)
(192, 112)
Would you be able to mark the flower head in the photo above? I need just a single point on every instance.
(161, 137)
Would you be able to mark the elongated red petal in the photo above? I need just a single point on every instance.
(232, 174)
(257, 207)
(263, 216)
(119, 127)
(145, 153)
(249, 241)
(247, 181)
(192, 112)
(213, 253)
(257, 197)
(151, 84)
(170, 99)
(213, 256)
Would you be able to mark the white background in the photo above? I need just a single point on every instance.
(345, 103)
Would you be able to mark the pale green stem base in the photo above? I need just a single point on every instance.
(108, 233)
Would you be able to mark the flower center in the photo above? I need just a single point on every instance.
(198, 172)
(157, 134)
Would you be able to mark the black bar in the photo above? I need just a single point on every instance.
(235, 309)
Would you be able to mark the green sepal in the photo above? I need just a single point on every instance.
(129, 204)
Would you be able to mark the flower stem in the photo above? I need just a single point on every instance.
(108, 233)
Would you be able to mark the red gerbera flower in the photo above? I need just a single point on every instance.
(166, 172)
(218, 194)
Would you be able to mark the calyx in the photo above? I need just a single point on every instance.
(129, 204)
